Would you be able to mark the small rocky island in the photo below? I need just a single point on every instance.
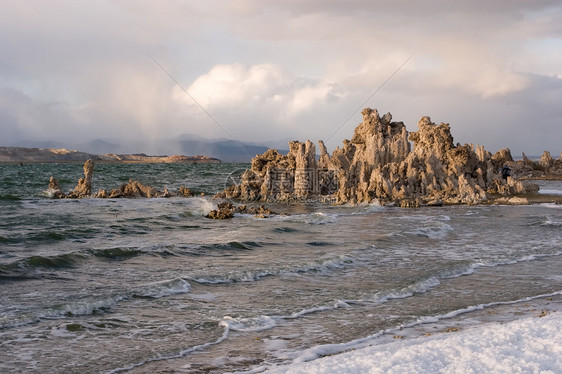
(132, 189)
(380, 164)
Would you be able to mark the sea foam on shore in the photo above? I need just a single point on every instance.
(529, 345)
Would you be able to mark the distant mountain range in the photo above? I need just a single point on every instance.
(226, 150)
(192, 145)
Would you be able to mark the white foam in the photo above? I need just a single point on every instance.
(380, 297)
(182, 353)
(366, 208)
(164, 288)
(526, 345)
(407, 291)
(87, 307)
(325, 265)
(316, 218)
(249, 324)
(50, 193)
(550, 192)
(80, 308)
(336, 305)
(200, 206)
(551, 205)
(525, 258)
(549, 222)
(435, 230)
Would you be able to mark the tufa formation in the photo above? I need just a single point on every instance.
(132, 189)
(379, 163)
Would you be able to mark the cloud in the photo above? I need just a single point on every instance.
(270, 70)
(239, 87)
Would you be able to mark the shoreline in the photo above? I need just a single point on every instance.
(81, 162)
(442, 334)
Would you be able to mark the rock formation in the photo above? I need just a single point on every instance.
(185, 192)
(226, 210)
(54, 189)
(84, 186)
(132, 189)
(378, 163)
(545, 168)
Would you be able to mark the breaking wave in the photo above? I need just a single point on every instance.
(256, 274)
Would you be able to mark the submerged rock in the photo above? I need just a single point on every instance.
(185, 192)
(379, 163)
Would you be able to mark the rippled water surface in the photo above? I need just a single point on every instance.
(151, 285)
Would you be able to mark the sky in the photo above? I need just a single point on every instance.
(269, 71)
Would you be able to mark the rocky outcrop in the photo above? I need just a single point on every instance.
(226, 210)
(185, 192)
(54, 189)
(84, 186)
(132, 189)
(143, 158)
(545, 168)
(135, 190)
(379, 163)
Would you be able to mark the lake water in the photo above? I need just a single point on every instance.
(151, 285)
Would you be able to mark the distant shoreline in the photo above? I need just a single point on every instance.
(106, 162)
(18, 155)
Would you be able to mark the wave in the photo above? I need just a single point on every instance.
(21, 267)
(417, 287)
(30, 267)
(550, 222)
(199, 206)
(249, 324)
(117, 253)
(80, 308)
(551, 205)
(550, 192)
(316, 218)
(8, 240)
(96, 304)
(319, 244)
(261, 323)
(163, 288)
(9, 197)
(234, 245)
(285, 229)
(256, 274)
(433, 230)
(329, 265)
(182, 353)
(49, 236)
